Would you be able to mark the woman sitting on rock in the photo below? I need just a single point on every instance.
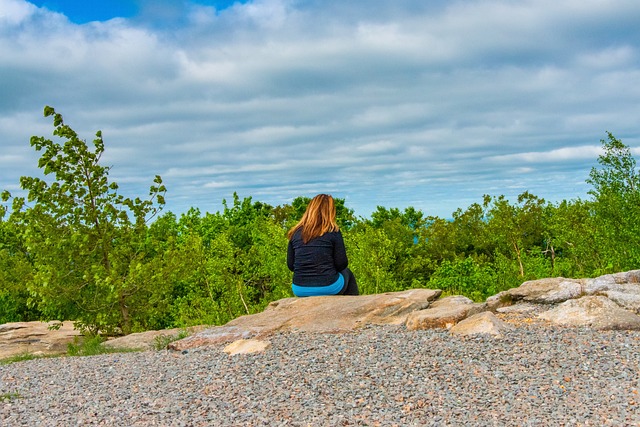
(316, 253)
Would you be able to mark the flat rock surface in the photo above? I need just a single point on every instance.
(327, 314)
(36, 338)
(482, 323)
(148, 340)
(596, 312)
(246, 347)
(443, 313)
(548, 291)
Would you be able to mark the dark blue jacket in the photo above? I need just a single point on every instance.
(318, 262)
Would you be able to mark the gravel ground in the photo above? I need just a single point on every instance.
(378, 376)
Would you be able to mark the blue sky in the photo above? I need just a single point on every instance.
(404, 103)
(83, 11)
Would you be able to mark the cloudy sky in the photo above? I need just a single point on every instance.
(429, 104)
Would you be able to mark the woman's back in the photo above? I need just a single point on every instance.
(317, 262)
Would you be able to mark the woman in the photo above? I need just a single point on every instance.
(316, 253)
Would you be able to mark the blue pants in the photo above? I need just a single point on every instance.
(344, 285)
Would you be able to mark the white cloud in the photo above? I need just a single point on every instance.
(15, 12)
(384, 103)
(565, 154)
(612, 57)
(267, 14)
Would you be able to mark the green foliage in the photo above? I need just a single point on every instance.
(21, 358)
(15, 269)
(233, 263)
(371, 259)
(93, 346)
(390, 252)
(616, 207)
(162, 341)
(515, 228)
(87, 347)
(9, 396)
(471, 234)
(83, 238)
(465, 277)
(618, 173)
(569, 239)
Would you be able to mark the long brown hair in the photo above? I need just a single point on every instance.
(319, 218)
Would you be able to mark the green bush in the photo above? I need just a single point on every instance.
(464, 277)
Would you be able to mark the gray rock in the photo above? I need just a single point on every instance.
(317, 314)
(481, 323)
(246, 347)
(625, 281)
(627, 300)
(499, 300)
(548, 291)
(621, 288)
(37, 338)
(147, 340)
(597, 312)
(523, 308)
(444, 313)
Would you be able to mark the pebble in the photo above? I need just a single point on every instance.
(377, 376)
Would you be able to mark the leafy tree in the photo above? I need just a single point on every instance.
(209, 290)
(235, 263)
(85, 240)
(464, 276)
(569, 241)
(370, 253)
(516, 228)
(618, 173)
(616, 207)
(408, 265)
(240, 218)
(411, 218)
(439, 239)
(264, 266)
(15, 269)
(471, 232)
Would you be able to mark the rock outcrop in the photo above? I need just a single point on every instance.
(553, 300)
(606, 302)
(329, 314)
(482, 323)
(611, 301)
(621, 288)
(246, 347)
(444, 313)
(597, 312)
(148, 340)
(543, 291)
(37, 338)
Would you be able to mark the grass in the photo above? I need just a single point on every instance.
(22, 357)
(162, 341)
(9, 396)
(93, 346)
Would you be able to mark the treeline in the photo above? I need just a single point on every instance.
(75, 249)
